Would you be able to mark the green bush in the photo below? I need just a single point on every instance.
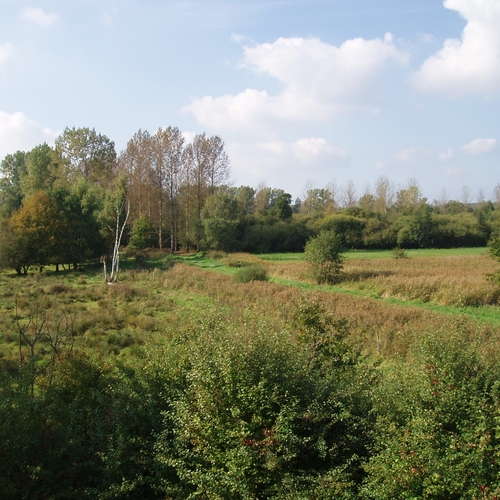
(399, 253)
(323, 253)
(251, 273)
(437, 433)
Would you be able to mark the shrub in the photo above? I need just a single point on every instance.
(323, 253)
(251, 273)
(216, 254)
(399, 253)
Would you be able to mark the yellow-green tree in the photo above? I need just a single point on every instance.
(35, 234)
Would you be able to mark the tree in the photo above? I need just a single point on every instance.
(169, 145)
(220, 220)
(384, 195)
(12, 168)
(87, 154)
(115, 216)
(348, 195)
(143, 234)
(323, 253)
(136, 162)
(80, 205)
(37, 231)
(42, 170)
(410, 198)
(317, 201)
(206, 166)
(281, 205)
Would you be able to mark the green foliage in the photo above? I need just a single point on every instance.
(42, 170)
(324, 255)
(87, 154)
(281, 206)
(13, 168)
(348, 228)
(220, 221)
(143, 234)
(251, 273)
(38, 231)
(264, 236)
(252, 420)
(399, 253)
(437, 425)
(494, 248)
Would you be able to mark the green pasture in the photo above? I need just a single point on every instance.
(383, 254)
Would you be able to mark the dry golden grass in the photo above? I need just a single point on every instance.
(458, 281)
(376, 326)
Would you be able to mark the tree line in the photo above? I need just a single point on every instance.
(59, 205)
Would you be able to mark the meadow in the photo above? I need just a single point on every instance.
(179, 381)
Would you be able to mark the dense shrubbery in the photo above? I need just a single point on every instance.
(226, 412)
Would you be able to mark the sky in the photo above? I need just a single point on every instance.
(304, 93)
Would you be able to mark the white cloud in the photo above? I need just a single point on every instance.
(319, 81)
(17, 132)
(6, 50)
(237, 38)
(471, 64)
(479, 146)
(446, 156)
(39, 17)
(188, 136)
(407, 155)
(268, 159)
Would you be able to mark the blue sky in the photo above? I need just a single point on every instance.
(304, 93)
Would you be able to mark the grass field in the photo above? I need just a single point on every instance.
(383, 254)
(387, 301)
(452, 280)
(180, 347)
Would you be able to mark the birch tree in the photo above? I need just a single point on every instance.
(115, 217)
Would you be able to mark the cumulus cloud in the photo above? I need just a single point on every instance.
(5, 51)
(471, 64)
(17, 132)
(274, 158)
(479, 146)
(39, 17)
(319, 81)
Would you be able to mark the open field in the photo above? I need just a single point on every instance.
(388, 301)
(178, 379)
(384, 254)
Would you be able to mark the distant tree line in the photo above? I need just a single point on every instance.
(266, 220)
(58, 204)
